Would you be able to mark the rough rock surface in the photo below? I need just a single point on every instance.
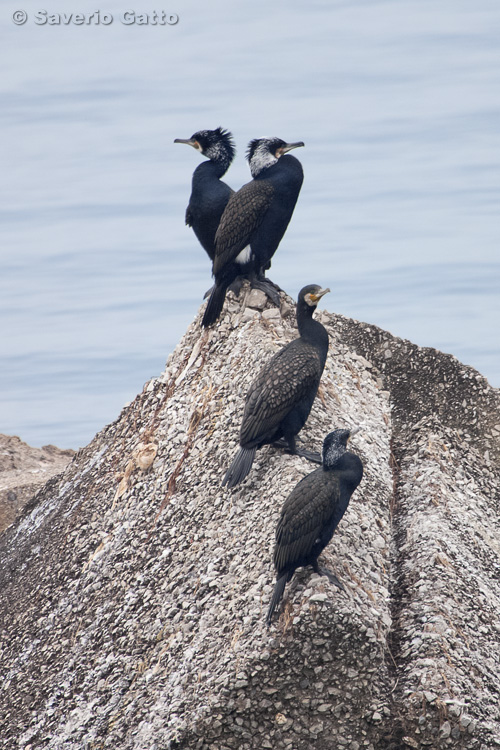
(23, 471)
(134, 591)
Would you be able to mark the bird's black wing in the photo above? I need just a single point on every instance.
(309, 508)
(282, 383)
(242, 216)
(189, 216)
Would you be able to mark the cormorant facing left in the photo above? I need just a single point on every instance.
(255, 220)
(209, 195)
(312, 512)
(280, 399)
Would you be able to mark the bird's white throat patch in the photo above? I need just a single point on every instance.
(261, 159)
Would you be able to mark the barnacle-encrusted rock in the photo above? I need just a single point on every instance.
(134, 591)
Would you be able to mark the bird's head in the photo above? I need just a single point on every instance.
(264, 152)
(312, 294)
(211, 143)
(335, 445)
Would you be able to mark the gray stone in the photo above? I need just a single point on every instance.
(445, 730)
(271, 313)
(136, 619)
(256, 299)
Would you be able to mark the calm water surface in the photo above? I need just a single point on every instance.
(398, 104)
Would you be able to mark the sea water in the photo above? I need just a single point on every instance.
(398, 104)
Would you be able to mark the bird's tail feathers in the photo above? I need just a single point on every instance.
(214, 305)
(240, 467)
(279, 588)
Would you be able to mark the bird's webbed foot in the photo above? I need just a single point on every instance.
(331, 576)
(309, 455)
(261, 276)
(270, 289)
(292, 450)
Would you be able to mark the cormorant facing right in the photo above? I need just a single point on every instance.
(312, 512)
(209, 195)
(280, 399)
(255, 220)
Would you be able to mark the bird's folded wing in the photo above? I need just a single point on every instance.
(243, 214)
(287, 378)
(301, 522)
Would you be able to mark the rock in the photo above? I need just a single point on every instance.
(410, 742)
(135, 618)
(256, 299)
(23, 471)
(271, 313)
(445, 730)
(248, 314)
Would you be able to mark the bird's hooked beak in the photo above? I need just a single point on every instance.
(288, 147)
(354, 431)
(316, 296)
(190, 142)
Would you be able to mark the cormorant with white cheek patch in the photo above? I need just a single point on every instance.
(280, 399)
(255, 220)
(312, 512)
(209, 194)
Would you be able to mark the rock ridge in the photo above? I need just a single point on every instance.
(134, 590)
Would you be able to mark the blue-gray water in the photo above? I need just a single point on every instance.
(398, 104)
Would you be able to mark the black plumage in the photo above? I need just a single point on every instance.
(255, 220)
(312, 512)
(280, 399)
(209, 194)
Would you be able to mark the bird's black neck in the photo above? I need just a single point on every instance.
(311, 330)
(268, 168)
(349, 466)
(212, 169)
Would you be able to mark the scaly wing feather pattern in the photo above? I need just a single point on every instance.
(242, 216)
(281, 384)
(308, 509)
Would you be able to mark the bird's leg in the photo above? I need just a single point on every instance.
(288, 443)
(331, 576)
(261, 276)
(281, 443)
(235, 287)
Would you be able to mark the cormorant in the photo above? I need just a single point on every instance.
(312, 512)
(209, 195)
(280, 399)
(255, 220)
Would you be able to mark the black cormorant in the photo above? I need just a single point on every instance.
(255, 220)
(312, 512)
(209, 195)
(280, 399)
